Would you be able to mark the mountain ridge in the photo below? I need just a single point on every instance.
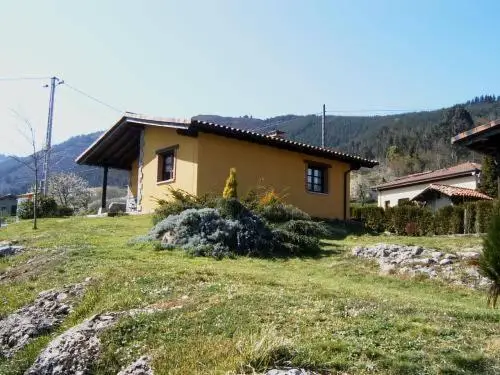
(408, 142)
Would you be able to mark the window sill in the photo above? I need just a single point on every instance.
(315, 193)
(166, 182)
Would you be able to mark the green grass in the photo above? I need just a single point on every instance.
(333, 314)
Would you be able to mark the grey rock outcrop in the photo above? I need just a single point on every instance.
(9, 249)
(290, 371)
(74, 351)
(139, 367)
(468, 255)
(416, 260)
(40, 317)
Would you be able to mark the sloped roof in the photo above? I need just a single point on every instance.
(280, 142)
(118, 146)
(484, 138)
(453, 191)
(459, 170)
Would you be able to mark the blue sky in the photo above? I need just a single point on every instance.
(235, 57)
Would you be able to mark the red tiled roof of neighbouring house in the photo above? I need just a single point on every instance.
(453, 191)
(431, 176)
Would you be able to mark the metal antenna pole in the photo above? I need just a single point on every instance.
(323, 120)
(48, 136)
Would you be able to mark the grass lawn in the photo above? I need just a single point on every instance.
(334, 314)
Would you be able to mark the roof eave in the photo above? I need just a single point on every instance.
(283, 143)
(125, 121)
(423, 181)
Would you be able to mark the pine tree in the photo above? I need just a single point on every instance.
(489, 263)
(488, 184)
(230, 189)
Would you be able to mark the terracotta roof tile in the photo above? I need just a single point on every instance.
(453, 191)
(283, 143)
(430, 176)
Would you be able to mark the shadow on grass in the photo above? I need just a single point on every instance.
(340, 229)
(469, 364)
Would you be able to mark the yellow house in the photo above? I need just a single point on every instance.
(196, 156)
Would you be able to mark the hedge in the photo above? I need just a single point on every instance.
(470, 217)
(413, 220)
(372, 217)
(409, 220)
(449, 220)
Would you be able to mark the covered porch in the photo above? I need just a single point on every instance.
(118, 148)
(484, 139)
(122, 147)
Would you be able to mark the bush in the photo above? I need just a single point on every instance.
(25, 210)
(449, 220)
(179, 201)
(47, 207)
(64, 211)
(484, 213)
(470, 218)
(409, 219)
(489, 262)
(230, 189)
(372, 217)
(205, 232)
(281, 212)
(233, 229)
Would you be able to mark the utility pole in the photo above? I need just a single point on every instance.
(54, 81)
(323, 121)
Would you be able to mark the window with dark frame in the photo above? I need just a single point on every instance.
(166, 168)
(316, 179)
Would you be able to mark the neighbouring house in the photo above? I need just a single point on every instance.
(484, 139)
(406, 188)
(436, 196)
(8, 205)
(196, 156)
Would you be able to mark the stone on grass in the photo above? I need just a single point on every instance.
(468, 255)
(8, 249)
(74, 351)
(290, 371)
(417, 261)
(139, 367)
(38, 318)
(445, 261)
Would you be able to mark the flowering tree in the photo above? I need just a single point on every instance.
(70, 190)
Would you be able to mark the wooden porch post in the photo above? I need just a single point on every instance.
(104, 188)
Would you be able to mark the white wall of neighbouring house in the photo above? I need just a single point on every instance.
(437, 203)
(409, 192)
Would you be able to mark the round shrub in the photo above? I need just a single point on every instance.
(280, 213)
(206, 232)
(25, 210)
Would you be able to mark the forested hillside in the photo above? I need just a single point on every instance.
(409, 142)
(16, 178)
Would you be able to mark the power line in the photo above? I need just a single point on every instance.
(22, 78)
(93, 98)
(377, 110)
